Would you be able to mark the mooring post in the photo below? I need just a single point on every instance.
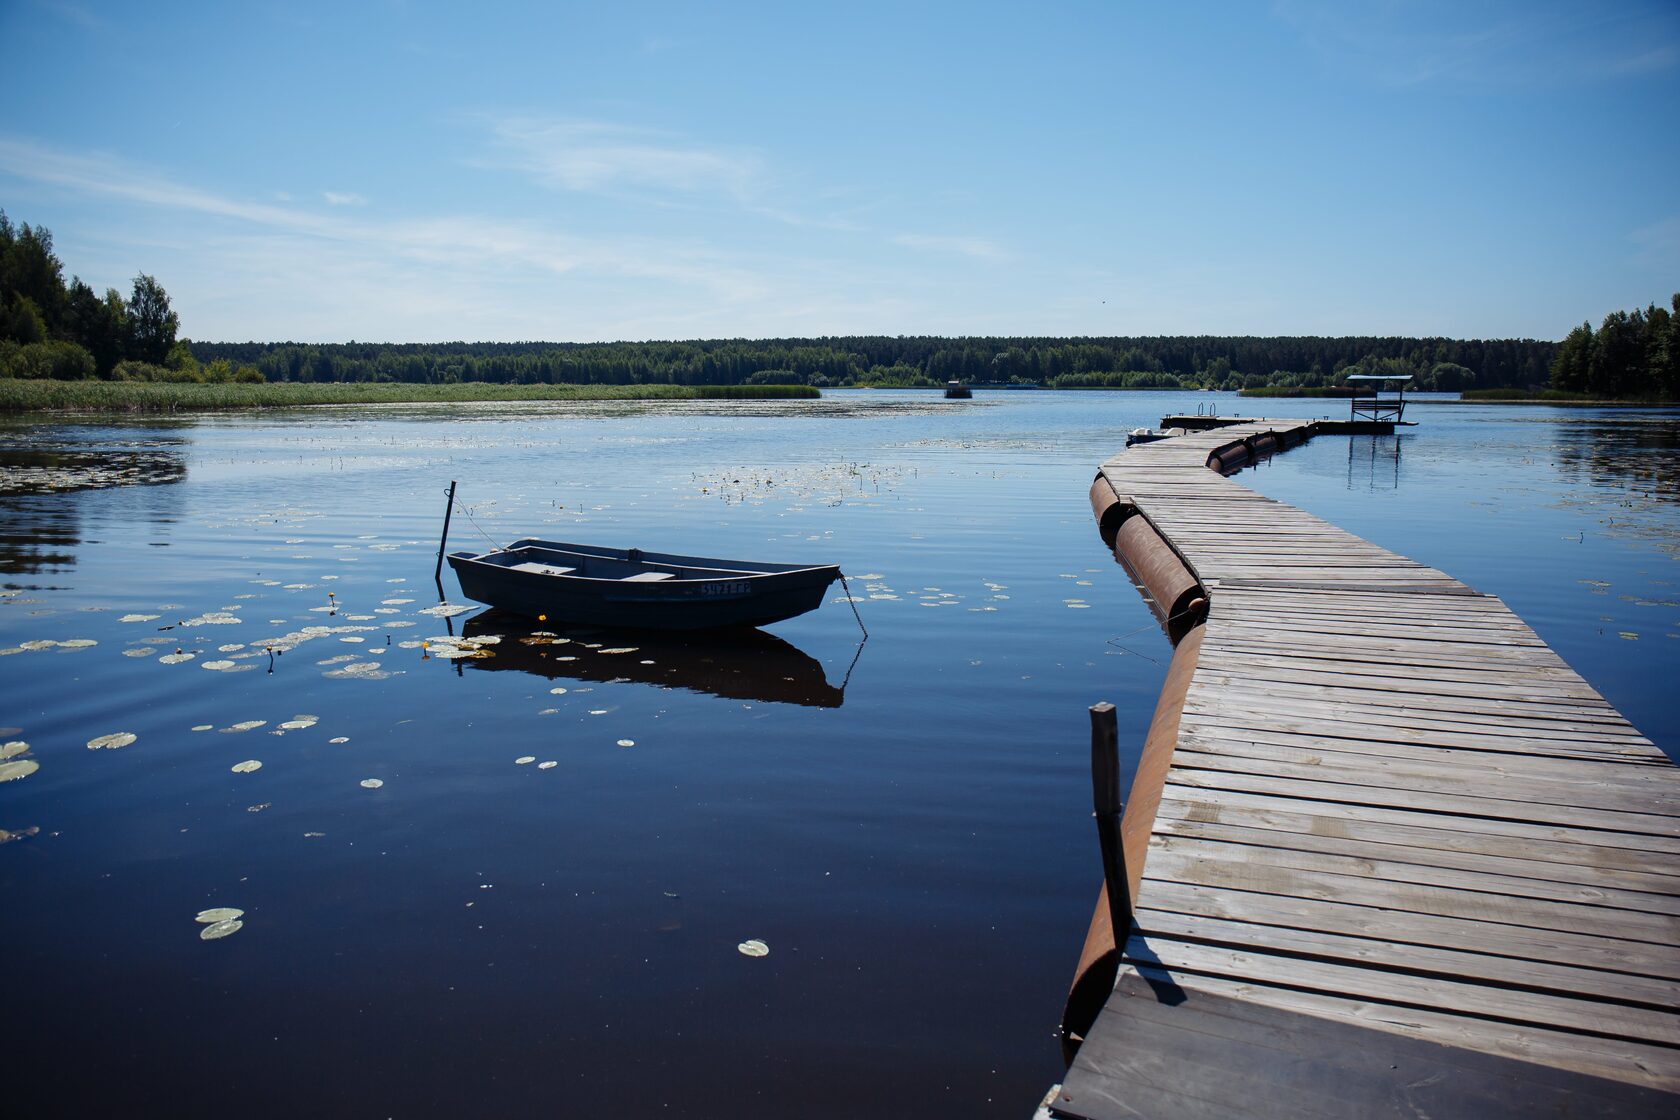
(1105, 796)
(443, 541)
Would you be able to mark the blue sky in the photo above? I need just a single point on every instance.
(414, 172)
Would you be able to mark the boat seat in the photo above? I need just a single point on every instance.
(649, 577)
(542, 569)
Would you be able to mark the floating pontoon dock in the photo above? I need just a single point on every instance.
(1385, 853)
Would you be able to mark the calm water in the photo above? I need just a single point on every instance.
(478, 936)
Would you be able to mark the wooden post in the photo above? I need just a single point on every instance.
(1105, 796)
(443, 541)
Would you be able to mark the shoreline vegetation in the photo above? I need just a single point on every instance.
(81, 351)
(153, 397)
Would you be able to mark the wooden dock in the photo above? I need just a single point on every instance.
(1385, 854)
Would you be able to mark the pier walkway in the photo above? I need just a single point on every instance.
(1385, 853)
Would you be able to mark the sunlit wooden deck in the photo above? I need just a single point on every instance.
(1400, 858)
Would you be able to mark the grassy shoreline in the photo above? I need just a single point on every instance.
(132, 396)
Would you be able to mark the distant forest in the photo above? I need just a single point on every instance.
(51, 329)
(1141, 363)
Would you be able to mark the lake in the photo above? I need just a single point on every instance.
(433, 927)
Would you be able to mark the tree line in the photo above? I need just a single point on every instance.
(53, 329)
(50, 329)
(1117, 362)
(1633, 354)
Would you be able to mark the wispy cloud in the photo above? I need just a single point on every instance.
(976, 247)
(490, 271)
(343, 198)
(604, 158)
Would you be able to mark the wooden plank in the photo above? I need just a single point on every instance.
(1365, 860)
(1549, 862)
(1579, 774)
(1625, 851)
(1277, 878)
(1405, 776)
(1651, 994)
(1640, 1064)
(1539, 1009)
(1607, 954)
(1651, 831)
(1212, 1056)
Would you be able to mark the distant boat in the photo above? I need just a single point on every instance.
(579, 583)
(734, 664)
(957, 391)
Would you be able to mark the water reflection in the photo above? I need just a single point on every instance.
(737, 665)
(1624, 451)
(39, 465)
(52, 467)
(1373, 462)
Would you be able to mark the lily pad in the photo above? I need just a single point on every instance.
(246, 767)
(220, 930)
(547, 765)
(524, 759)
(219, 914)
(217, 666)
(753, 948)
(114, 741)
(13, 749)
(18, 768)
(371, 783)
(627, 742)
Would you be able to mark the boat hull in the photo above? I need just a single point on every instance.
(704, 594)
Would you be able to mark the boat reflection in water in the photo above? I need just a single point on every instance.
(736, 665)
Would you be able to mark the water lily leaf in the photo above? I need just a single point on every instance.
(221, 929)
(18, 768)
(524, 759)
(217, 666)
(139, 618)
(175, 658)
(340, 739)
(371, 783)
(246, 767)
(247, 725)
(13, 749)
(547, 765)
(627, 742)
(112, 742)
(753, 948)
(219, 914)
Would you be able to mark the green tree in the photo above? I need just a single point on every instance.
(1570, 369)
(151, 323)
(95, 325)
(29, 269)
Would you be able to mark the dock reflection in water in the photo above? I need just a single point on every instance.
(736, 665)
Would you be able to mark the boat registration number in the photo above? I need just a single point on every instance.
(725, 589)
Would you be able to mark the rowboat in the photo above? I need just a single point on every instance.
(588, 584)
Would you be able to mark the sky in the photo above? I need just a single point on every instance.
(404, 172)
